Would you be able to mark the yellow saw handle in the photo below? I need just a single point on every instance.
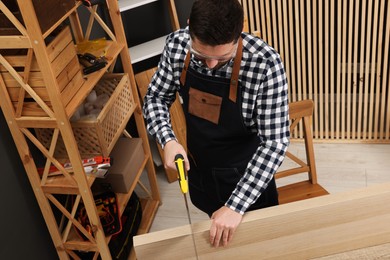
(179, 161)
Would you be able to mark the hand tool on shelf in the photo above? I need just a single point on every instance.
(97, 165)
(183, 183)
(91, 63)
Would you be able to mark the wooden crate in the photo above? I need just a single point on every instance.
(98, 136)
(66, 67)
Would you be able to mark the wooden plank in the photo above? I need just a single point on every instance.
(304, 51)
(321, 69)
(350, 72)
(73, 86)
(380, 99)
(69, 73)
(300, 60)
(12, 42)
(36, 122)
(360, 83)
(273, 22)
(375, 88)
(20, 61)
(291, 45)
(62, 60)
(366, 75)
(386, 73)
(268, 24)
(59, 43)
(331, 85)
(309, 52)
(280, 30)
(300, 230)
(355, 81)
(314, 21)
(41, 92)
(286, 46)
(342, 74)
(35, 80)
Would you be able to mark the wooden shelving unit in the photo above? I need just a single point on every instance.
(41, 88)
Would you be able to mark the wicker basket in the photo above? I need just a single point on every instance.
(98, 137)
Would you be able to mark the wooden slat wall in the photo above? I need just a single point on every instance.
(337, 54)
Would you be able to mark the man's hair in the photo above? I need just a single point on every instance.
(216, 22)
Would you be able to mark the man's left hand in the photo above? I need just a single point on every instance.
(224, 223)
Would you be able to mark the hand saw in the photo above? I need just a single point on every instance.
(182, 177)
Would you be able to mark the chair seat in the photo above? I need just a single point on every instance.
(300, 191)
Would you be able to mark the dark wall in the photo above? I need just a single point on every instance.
(24, 234)
(152, 21)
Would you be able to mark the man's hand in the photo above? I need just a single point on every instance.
(170, 150)
(224, 223)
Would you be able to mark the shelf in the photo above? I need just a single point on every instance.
(34, 110)
(61, 185)
(125, 5)
(147, 50)
(123, 198)
(149, 209)
(113, 50)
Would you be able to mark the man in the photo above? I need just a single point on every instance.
(234, 96)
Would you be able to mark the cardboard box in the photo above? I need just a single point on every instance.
(127, 157)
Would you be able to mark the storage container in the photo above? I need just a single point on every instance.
(98, 136)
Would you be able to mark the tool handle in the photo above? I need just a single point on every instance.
(182, 177)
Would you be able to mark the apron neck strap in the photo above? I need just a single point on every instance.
(235, 72)
(183, 75)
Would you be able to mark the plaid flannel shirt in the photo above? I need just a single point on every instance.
(264, 107)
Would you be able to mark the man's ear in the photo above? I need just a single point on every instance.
(188, 21)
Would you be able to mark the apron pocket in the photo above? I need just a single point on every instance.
(225, 180)
(204, 105)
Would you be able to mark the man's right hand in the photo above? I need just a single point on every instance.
(171, 149)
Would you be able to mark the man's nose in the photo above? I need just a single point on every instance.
(211, 63)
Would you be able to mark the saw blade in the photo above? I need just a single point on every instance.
(190, 222)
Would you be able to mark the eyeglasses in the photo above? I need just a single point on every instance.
(202, 58)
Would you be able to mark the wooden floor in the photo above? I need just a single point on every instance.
(340, 167)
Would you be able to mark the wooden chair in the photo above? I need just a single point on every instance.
(301, 111)
(177, 117)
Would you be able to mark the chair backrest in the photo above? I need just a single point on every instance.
(301, 111)
(177, 116)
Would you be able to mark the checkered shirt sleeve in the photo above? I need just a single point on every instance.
(264, 107)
